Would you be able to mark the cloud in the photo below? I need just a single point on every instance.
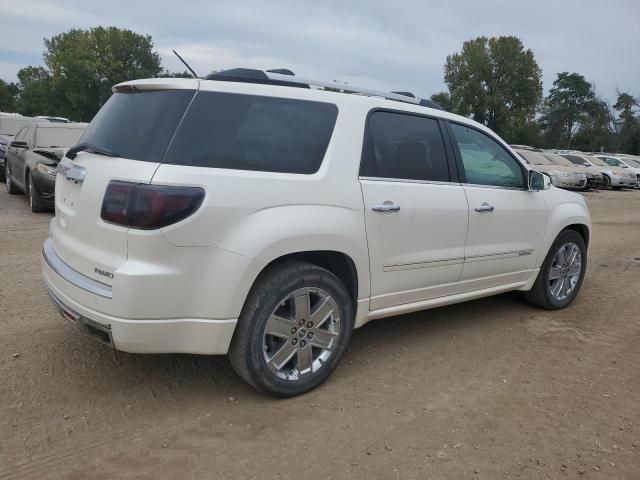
(375, 43)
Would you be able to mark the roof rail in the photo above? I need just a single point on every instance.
(286, 77)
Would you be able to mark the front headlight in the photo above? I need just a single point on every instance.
(556, 173)
(46, 169)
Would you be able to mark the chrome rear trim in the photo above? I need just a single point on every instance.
(72, 276)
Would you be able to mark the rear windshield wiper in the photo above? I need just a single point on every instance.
(88, 147)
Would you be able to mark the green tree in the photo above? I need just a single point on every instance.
(596, 128)
(36, 94)
(628, 123)
(8, 96)
(566, 108)
(443, 99)
(84, 64)
(496, 81)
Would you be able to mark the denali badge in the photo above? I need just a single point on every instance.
(104, 273)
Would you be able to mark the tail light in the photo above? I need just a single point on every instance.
(148, 207)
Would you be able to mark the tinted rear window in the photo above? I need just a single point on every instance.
(138, 125)
(247, 132)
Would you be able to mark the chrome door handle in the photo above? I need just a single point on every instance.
(485, 207)
(386, 207)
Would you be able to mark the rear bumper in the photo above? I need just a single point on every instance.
(166, 335)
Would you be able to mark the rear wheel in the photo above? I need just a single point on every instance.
(561, 274)
(11, 188)
(35, 202)
(293, 329)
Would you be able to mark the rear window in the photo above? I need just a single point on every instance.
(247, 132)
(138, 125)
(57, 137)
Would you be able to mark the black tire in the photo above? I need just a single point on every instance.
(540, 295)
(606, 182)
(617, 188)
(247, 351)
(35, 202)
(2, 174)
(11, 188)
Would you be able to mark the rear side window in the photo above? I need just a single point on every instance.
(138, 125)
(403, 146)
(248, 132)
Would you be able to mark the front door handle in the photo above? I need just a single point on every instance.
(485, 207)
(386, 207)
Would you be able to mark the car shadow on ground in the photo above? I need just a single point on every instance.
(104, 371)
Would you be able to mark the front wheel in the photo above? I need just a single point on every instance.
(11, 188)
(293, 329)
(561, 274)
(35, 202)
(606, 183)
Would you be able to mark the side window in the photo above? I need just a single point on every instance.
(485, 161)
(403, 146)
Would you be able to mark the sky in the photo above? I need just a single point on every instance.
(389, 45)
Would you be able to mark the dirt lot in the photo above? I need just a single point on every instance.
(490, 389)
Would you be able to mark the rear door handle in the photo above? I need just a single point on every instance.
(386, 207)
(485, 207)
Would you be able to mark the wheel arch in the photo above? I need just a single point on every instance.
(338, 263)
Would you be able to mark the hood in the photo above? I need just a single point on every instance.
(53, 155)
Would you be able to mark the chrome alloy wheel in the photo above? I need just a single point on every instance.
(301, 333)
(565, 271)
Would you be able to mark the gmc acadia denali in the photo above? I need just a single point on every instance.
(265, 217)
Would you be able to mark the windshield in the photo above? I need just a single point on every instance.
(558, 159)
(577, 160)
(138, 125)
(597, 161)
(536, 158)
(631, 162)
(57, 137)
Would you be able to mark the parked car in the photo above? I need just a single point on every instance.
(561, 176)
(595, 179)
(32, 159)
(623, 162)
(242, 215)
(614, 177)
(10, 124)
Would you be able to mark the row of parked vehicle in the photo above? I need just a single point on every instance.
(30, 150)
(579, 170)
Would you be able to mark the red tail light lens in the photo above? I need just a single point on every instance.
(148, 207)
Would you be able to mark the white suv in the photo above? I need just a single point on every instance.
(250, 217)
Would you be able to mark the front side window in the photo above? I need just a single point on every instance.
(403, 146)
(249, 132)
(485, 161)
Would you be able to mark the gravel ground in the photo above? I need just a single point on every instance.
(489, 389)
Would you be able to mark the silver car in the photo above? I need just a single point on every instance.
(614, 177)
(562, 176)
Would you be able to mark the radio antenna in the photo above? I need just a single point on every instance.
(185, 64)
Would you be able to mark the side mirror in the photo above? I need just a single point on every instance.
(19, 144)
(538, 181)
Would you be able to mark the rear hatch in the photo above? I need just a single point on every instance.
(132, 130)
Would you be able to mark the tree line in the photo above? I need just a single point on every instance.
(80, 67)
(496, 81)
